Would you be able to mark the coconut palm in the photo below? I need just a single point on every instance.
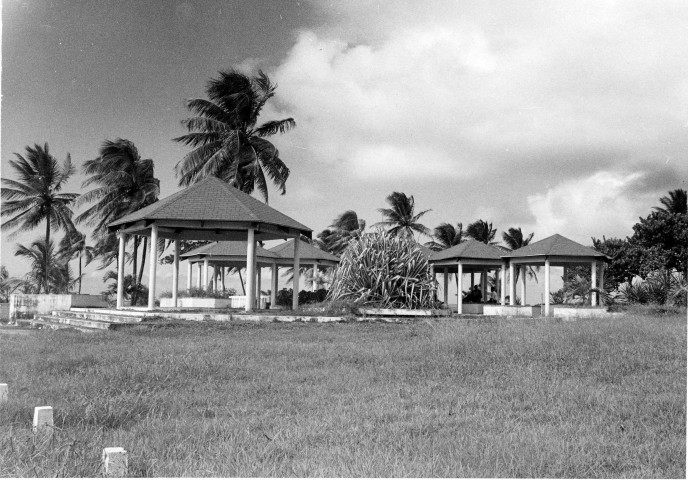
(56, 278)
(124, 183)
(674, 203)
(7, 284)
(226, 141)
(514, 239)
(482, 231)
(346, 227)
(401, 218)
(73, 245)
(37, 196)
(446, 236)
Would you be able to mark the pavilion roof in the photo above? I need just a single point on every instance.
(307, 252)
(556, 245)
(472, 249)
(227, 249)
(211, 200)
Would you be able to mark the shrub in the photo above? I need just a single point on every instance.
(386, 272)
(659, 288)
(200, 293)
(285, 296)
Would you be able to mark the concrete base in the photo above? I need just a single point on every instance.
(402, 312)
(471, 308)
(512, 311)
(26, 306)
(237, 301)
(570, 313)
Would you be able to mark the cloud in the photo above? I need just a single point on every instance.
(606, 203)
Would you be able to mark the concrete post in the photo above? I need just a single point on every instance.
(175, 273)
(593, 271)
(547, 287)
(446, 286)
(503, 283)
(120, 270)
(222, 273)
(315, 274)
(153, 266)
(512, 286)
(205, 274)
(3, 392)
(250, 269)
(483, 285)
(43, 420)
(522, 271)
(600, 284)
(472, 280)
(189, 272)
(259, 285)
(297, 266)
(115, 462)
(274, 287)
(199, 283)
(459, 296)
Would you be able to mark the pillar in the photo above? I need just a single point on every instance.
(503, 284)
(199, 283)
(259, 285)
(153, 266)
(600, 284)
(250, 269)
(547, 287)
(175, 273)
(512, 286)
(297, 266)
(459, 296)
(472, 280)
(446, 286)
(204, 282)
(222, 273)
(189, 272)
(483, 285)
(315, 274)
(273, 290)
(593, 272)
(522, 271)
(120, 270)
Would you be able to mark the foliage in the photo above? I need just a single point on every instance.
(674, 203)
(401, 219)
(284, 297)
(446, 236)
(384, 271)
(482, 231)
(185, 246)
(577, 290)
(659, 288)
(346, 227)
(226, 141)
(7, 284)
(41, 255)
(514, 239)
(200, 293)
(73, 245)
(663, 241)
(136, 293)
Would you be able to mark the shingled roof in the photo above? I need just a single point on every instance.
(470, 249)
(307, 252)
(556, 245)
(216, 203)
(227, 249)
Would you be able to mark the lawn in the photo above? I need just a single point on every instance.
(461, 398)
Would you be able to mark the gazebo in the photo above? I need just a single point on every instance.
(471, 257)
(208, 210)
(555, 251)
(221, 255)
(308, 253)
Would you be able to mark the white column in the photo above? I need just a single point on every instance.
(522, 271)
(120, 270)
(446, 286)
(600, 285)
(297, 266)
(512, 286)
(199, 283)
(259, 282)
(204, 282)
(273, 290)
(547, 287)
(459, 296)
(593, 271)
(222, 273)
(250, 272)
(189, 272)
(153, 266)
(175, 273)
(503, 292)
(483, 285)
(315, 273)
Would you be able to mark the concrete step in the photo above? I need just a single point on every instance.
(47, 322)
(99, 316)
(76, 322)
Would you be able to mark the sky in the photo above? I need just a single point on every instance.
(553, 116)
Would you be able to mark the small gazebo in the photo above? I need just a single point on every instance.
(208, 210)
(308, 253)
(556, 251)
(471, 257)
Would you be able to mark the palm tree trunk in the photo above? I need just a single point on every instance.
(79, 273)
(47, 242)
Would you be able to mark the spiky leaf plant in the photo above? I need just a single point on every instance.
(386, 272)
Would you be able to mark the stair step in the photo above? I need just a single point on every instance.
(76, 322)
(95, 316)
(47, 322)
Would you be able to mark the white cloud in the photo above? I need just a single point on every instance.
(605, 203)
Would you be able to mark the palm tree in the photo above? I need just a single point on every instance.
(482, 231)
(48, 271)
(37, 196)
(446, 236)
(226, 141)
(346, 227)
(400, 219)
(7, 284)
(675, 203)
(514, 239)
(125, 183)
(73, 245)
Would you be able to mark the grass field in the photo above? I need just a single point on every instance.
(463, 398)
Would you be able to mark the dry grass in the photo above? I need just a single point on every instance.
(466, 398)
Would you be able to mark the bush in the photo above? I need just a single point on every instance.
(383, 271)
(200, 293)
(659, 288)
(285, 296)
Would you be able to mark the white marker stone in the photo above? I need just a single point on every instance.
(3, 392)
(43, 420)
(115, 463)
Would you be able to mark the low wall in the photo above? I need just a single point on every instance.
(512, 310)
(567, 312)
(471, 308)
(26, 306)
(236, 301)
